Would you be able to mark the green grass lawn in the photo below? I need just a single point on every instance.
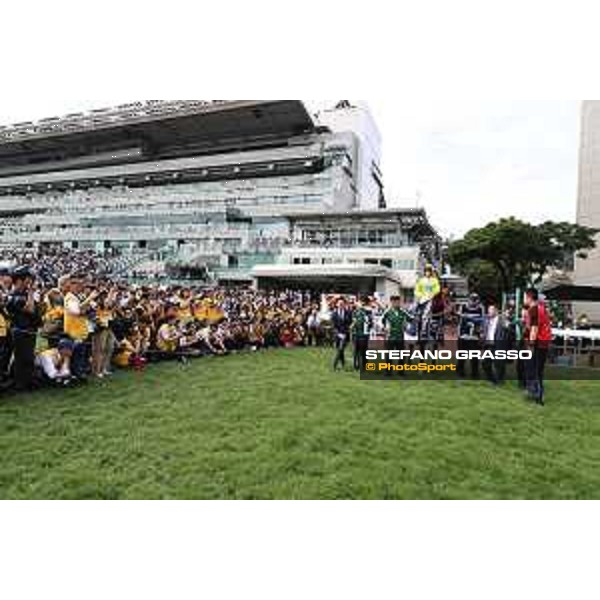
(282, 425)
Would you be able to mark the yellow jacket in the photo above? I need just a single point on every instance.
(76, 325)
(427, 288)
(4, 326)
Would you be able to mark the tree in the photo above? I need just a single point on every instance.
(483, 277)
(519, 254)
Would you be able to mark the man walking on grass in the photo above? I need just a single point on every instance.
(361, 333)
(341, 319)
(394, 320)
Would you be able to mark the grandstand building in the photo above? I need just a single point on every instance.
(231, 191)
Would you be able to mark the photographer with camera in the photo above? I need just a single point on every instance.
(78, 324)
(470, 333)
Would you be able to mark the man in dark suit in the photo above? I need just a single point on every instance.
(5, 334)
(341, 319)
(469, 336)
(22, 307)
(495, 336)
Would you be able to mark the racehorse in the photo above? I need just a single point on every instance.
(430, 327)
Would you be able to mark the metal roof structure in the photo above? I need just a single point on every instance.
(136, 113)
(409, 218)
(573, 293)
(157, 128)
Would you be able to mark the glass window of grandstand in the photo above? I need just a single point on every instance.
(347, 238)
(309, 237)
(405, 265)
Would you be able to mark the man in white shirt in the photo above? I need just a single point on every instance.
(55, 363)
(491, 325)
(313, 326)
(494, 338)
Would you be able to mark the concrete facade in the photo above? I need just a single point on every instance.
(587, 272)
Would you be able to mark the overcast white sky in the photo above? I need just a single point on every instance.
(469, 163)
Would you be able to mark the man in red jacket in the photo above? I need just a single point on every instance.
(538, 337)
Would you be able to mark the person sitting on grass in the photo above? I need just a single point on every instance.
(217, 340)
(189, 341)
(54, 364)
(299, 333)
(209, 342)
(286, 337)
(256, 336)
(131, 351)
(167, 338)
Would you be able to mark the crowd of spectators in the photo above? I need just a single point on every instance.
(50, 264)
(63, 320)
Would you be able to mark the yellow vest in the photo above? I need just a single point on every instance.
(123, 355)
(51, 353)
(166, 345)
(55, 313)
(427, 288)
(76, 327)
(3, 326)
(184, 312)
(208, 311)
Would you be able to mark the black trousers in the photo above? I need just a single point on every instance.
(80, 362)
(6, 352)
(341, 343)
(495, 370)
(396, 346)
(521, 369)
(534, 371)
(361, 345)
(24, 359)
(461, 366)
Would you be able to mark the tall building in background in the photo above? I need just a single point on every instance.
(587, 272)
(232, 191)
(358, 123)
